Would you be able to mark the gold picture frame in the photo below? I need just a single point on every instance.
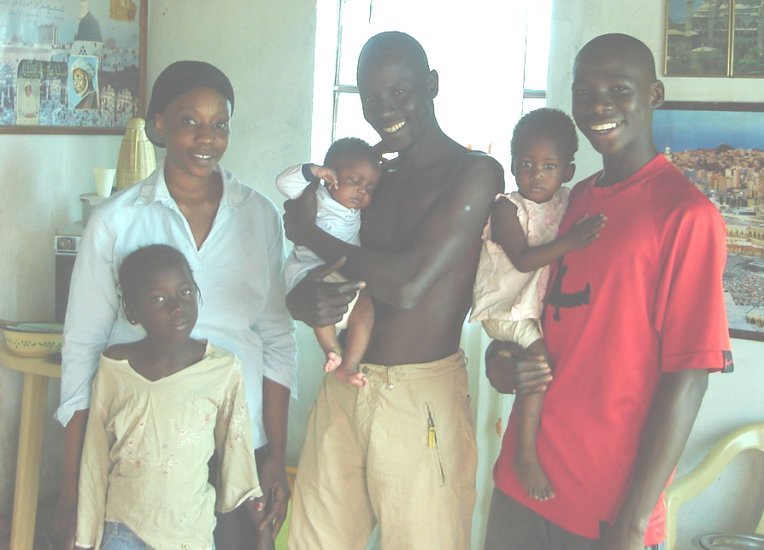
(720, 148)
(72, 67)
(714, 38)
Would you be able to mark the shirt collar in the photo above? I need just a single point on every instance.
(154, 189)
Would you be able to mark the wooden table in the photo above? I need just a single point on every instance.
(32, 425)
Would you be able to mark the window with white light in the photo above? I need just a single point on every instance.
(491, 57)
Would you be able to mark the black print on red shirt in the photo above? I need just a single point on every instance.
(558, 298)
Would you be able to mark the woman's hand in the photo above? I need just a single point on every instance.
(273, 480)
(510, 369)
(257, 511)
(300, 215)
(318, 303)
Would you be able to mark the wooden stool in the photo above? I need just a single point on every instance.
(33, 401)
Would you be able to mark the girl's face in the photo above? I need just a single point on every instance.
(165, 304)
(540, 170)
(195, 128)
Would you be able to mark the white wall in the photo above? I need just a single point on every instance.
(732, 399)
(266, 48)
(41, 178)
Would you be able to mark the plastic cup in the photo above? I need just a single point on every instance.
(104, 180)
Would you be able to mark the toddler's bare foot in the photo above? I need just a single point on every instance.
(333, 360)
(531, 475)
(351, 376)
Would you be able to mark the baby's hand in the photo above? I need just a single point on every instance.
(586, 230)
(325, 173)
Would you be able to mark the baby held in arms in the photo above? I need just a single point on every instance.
(350, 173)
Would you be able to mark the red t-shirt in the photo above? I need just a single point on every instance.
(643, 299)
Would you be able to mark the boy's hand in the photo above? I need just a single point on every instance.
(318, 303)
(586, 230)
(510, 369)
(327, 174)
(616, 537)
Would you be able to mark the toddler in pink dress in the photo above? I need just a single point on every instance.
(520, 242)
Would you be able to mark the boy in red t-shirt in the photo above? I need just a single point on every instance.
(633, 323)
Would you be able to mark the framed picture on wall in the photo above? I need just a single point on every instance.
(720, 148)
(72, 66)
(714, 38)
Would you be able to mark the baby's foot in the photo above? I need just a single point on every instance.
(333, 360)
(531, 475)
(351, 376)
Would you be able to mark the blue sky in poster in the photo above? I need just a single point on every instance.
(678, 9)
(683, 130)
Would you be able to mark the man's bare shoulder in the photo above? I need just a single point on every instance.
(479, 172)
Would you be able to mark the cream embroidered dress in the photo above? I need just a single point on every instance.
(147, 446)
(502, 292)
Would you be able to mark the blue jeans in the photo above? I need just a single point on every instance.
(118, 536)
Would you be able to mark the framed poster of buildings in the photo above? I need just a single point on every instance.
(71, 66)
(714, 38)
(720, 148)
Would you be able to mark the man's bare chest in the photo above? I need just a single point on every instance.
(395, 217)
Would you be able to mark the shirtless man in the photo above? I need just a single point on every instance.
(400, 451)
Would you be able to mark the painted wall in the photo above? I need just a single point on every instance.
(41, 178)
(266, 48)
(732, 399)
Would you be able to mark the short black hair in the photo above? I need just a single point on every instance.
(143, 262)
(177, 79)
(548, 123)
(350, 147)
(625, 46)
(395, 43)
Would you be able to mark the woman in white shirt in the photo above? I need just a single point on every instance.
(233, 240)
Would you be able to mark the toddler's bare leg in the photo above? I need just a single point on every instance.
(360, 324)
(527, 466)
(327, 339)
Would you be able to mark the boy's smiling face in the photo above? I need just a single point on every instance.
(614, 94)
(396, 96)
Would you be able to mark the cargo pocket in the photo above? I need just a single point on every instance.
(432, 443)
